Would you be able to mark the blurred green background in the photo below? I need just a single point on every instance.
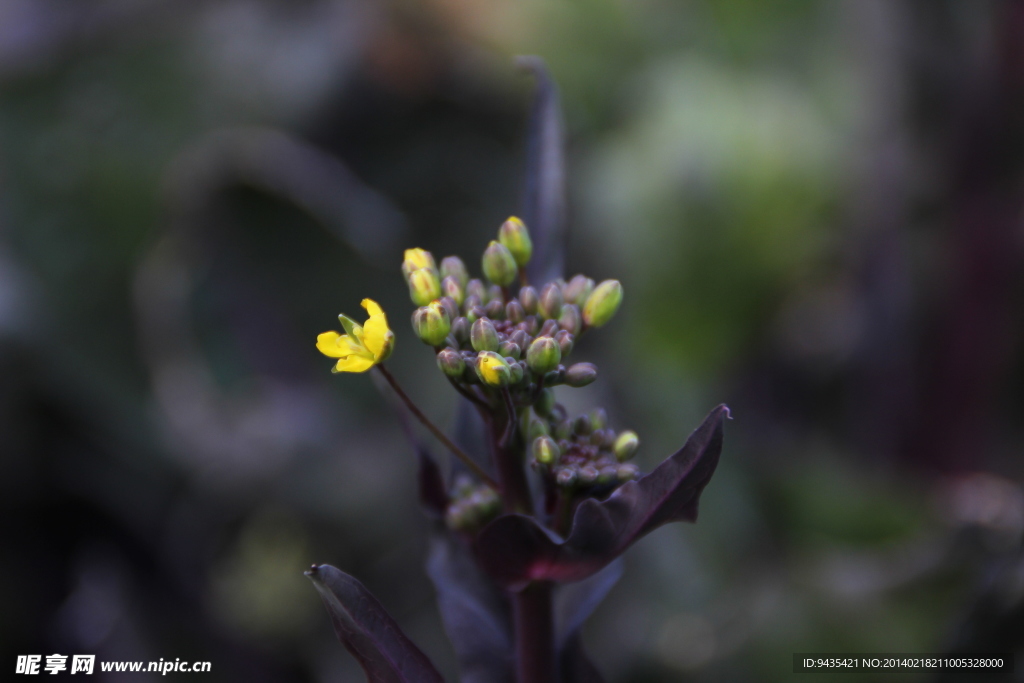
(815, 209)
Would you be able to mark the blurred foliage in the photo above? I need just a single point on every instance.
(814, 210)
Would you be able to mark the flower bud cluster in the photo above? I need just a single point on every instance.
(581, 453)
(472, 506)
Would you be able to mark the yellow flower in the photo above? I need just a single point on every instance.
(415, 259)
(363, 346)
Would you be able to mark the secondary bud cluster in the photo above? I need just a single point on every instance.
(472, 506)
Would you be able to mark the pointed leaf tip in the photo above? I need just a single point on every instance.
(515, 550)
(368, 632)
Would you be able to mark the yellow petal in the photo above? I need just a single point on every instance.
(334, 345)
(376, 335)
(353, 363)
(372, 307)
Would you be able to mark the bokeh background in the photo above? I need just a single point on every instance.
(815, 209)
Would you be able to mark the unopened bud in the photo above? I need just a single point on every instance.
(566, 477)
(452, 266)
(431, 323)
(544, 355)
(536, 427)
(451, 363)
(521, 339)
(565, 341)
(578, 289)
(570, 319)
(602, 303)
(545, 450)
(492, 369)
(532, 325)
(510, 348)
(588, 475)
(583, 426)
(460, 329)
(416, 259)
(580, 374)
(483, 336)
(450, 306)
(475, 313)
(494, 292)
(627, 472)
(529, 298)
(549, 328)
(495, 309)
(514, 312)
(475, 287)
(516, 370)
(516, 238)
(424, 286)
(625, 445)
(551, 301)
(598, 418)
(498, 265)
(450, 286)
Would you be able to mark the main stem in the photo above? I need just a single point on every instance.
(535, 634)
(441, 436)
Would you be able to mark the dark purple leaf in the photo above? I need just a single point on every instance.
(543, 207)
(367, 631)
(475, 612)
(515, 550)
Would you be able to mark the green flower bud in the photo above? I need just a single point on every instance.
(424, 286)
(565, 340)
(555, 377)
(532, 325)
(529, 299)
(607, 474)
(451, 363)
(452, 266)
(498, 265)
(625, 445)
(510, 348)
(580, 374)
(548, 329)
(415, 259)
(551, 301)
(598, 418)
(460, 329)
(521, 339)
(470, 302)
(495, 309)
(578, 289)
(492, 369)
(514, 312)
(570, 319)
(475, 313)
(602, 303)
(483, 336)
(545, 451)
(543, 355)
(536, 427)
(431, 323)
(516, 238)
(583, 426)
(588, 475)
(475, 287)
(451, 287)
(517, 371)
(545, 402)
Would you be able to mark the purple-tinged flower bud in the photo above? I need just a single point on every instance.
(451, 363)
(475, 287)
(529, 298)
(498, 265)
(521, 338)
(495, 309)
(492, 369)
(544, 355)
(588, 475)
(450, 306)
(565, 340)
(551, 301)
(475, 313)
(566, 477)
(514, 311)
(483, 336)
(578, 289)
(494, 292)
(580, 374)
(548, 329)
(545, 451)
(451, 287)
(516, 238)
(516, 370)
(625, 445)
(602, 303)
(627, 472)
(510, 348)
(452, 266)
(582, 426)
(607, 474)
(460, 329)
(431, 323)
(536, 427)
(570, 319)
(424, 286)
(532, 325)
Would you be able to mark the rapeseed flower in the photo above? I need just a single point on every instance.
(362, 346)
